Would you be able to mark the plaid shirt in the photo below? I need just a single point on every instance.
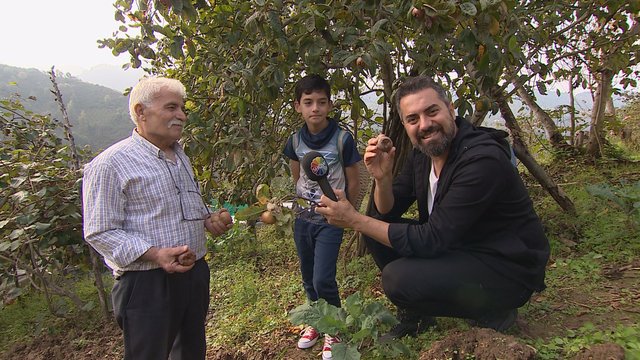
(135, 198)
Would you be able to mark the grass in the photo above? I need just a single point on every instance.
(255, 282)
(29, 317)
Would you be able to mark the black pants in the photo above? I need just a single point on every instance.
(455, 284)
(163, 315)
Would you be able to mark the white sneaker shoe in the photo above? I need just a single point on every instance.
(308, 338)
(326, 349)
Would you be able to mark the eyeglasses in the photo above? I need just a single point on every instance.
(192, 198)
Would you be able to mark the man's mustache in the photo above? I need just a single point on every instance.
(430, 130)
(175, 122)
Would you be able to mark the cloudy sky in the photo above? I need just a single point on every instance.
(43, 33)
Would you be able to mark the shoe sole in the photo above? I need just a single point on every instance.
(309, 344)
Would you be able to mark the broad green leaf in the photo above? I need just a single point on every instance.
(361, 335)
(5, 245)
(263, 193)
(16, 233)
(468, 9)
(304, 314)
(249, 213)
(344, 351)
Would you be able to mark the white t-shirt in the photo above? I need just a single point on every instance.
(433, 186)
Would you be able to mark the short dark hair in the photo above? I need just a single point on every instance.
(414, 84)
(311, 83)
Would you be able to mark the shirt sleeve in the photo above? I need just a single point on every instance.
(350, 154)
(289, 151)
(103, 203)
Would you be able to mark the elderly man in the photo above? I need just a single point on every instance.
(478, 250)
(143, 212)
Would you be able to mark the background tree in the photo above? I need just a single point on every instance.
(240, 60)
(40, 227)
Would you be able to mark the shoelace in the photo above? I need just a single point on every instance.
(308, 333)
(330, 341)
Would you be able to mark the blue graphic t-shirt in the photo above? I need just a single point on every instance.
(326, 143)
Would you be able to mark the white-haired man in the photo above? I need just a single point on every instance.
(143, 212)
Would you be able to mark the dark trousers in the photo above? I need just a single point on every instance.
(318, 245)
(163, 315)
(454, 284)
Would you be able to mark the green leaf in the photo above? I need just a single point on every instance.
(176, 47)
(514, 49)
(361, 335)
(17, 181)
(16, 233)
(344, 351)
(41, 226)
(5, 245)
(249, 213)
(263, 193)
(310, 24)
(15, 245)
(468, 9)
(304, 314)
(377, 26)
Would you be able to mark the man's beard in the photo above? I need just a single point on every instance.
(435, 147)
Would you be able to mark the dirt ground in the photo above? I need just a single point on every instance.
(620, 295)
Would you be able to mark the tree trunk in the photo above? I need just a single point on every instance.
(572, 112)
(551, 130)
(610, 108)
(96, 264)
(596, 136)
(392, 127)
(527, 160)
(478, 117)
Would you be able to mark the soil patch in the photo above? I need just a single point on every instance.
(478, 344)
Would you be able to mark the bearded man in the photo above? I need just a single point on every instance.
(477, 250)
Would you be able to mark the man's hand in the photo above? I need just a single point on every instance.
(342, 214)
(187, 258)
(169, 258)
(339, 213)
(219, 222)
(379, 162)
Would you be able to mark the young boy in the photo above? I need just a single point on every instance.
(317, 242)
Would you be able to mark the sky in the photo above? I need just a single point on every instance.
(43, 33)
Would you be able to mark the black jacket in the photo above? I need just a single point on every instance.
(481, 207)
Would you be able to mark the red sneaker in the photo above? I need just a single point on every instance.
(308, 338)
(326, 349)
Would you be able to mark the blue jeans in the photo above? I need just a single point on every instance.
(318, 245)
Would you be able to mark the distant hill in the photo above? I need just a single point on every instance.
(99, 115)
(111, 76)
